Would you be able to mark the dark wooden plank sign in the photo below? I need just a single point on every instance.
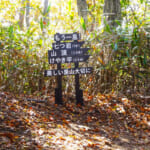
(64, 72)
(68, 59)
(67, 49)
(66, 37)
(67, 45)
(64, 52)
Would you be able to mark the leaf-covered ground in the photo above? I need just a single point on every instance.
(109, 123)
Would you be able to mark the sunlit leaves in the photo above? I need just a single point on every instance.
(107, 26)
(10, 31)
(70, 5)
(124, 3)
(83, 23)
(141, 1)
(101, 61)
(42, 24)
(48, 9)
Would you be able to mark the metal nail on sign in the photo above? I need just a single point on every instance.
(67, 49)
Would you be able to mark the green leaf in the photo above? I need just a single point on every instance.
(118, 22)
(127, 52)
(115, 47)
(145, 59)
(107, 27)
(32, 31)
(83, 23)
(41, 24)
(10, 30)
(48, 9)
(40, 10)
(70, 5)
(71, 15)
(141, 1)
(3, 67)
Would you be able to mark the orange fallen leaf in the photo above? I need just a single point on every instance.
(45, 119)
(27, 120)
(101, 61)
(11, 136)
(96, 130)
(87, 32)
(65, 121)
(90, 97)
(89, 119)
(52, 133)
(56, 105)
(44, 22)
(83, 129)
(90, 79)
(131, 129)
(62, 138)
(51, 118)
(91, 145)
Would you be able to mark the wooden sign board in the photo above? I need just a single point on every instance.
(68, 59)
(66, 37)
(64, 52)
(67, 45)
(72, 71)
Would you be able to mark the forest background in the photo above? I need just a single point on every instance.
(117, 31)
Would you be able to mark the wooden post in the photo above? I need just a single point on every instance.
(58, 90)
(79, 93)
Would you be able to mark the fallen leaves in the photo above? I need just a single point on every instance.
(11, 136)
(89, 119)
(92, 145)
(62, 138)
(51, 118)
(65, 121)
(92, 126)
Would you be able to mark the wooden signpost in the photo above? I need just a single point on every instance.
(64, 51)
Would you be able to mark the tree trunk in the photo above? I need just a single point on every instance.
(46, 15)
(21, 15)
(27, 13)
(82, 10)
(112, 12)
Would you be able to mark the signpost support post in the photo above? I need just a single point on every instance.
(58, 90)
(79, 93)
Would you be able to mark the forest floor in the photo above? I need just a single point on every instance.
(108, 122)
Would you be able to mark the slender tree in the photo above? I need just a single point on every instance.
(21, 15)
(82, 10)
(27, 13)
(45, 13)
(112, 12)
